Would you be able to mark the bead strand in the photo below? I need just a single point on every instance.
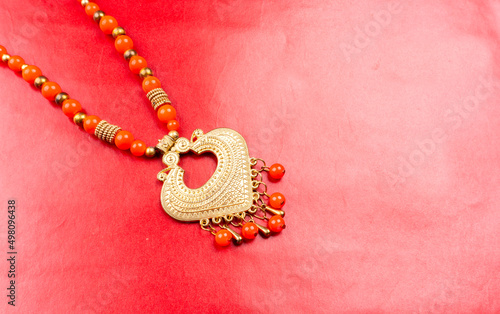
(72, 108)
(137, 64)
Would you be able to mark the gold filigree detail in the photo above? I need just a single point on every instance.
(228, 192)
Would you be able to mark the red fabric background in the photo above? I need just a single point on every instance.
(386, 118)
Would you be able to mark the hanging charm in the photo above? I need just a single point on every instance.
(233, 198)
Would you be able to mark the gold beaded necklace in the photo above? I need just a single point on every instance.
(235, 197)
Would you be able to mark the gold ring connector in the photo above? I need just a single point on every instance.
(106, 131)
(158, 97)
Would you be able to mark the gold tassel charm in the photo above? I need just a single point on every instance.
(232, 199)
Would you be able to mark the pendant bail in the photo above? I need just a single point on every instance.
(167, 141)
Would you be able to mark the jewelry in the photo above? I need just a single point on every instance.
(234, 197)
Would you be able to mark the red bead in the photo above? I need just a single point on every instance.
(277, 200)
(277, 171)
(70, 107)
(136, 64)
(124, 140)
(276, 223)
(2, 51)
(249, 231)
(91, 8)
(107, 24)
(223, 237)
(138, 148)
(30, 73)
(50, 90)
(173, 125)
(123, 43)
(150, 83)
(166, 113)
(15, 63)
(90, 123)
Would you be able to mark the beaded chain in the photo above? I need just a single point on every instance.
(72, 108)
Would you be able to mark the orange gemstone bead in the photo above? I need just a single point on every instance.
(91, 8)
(223, 237)
(150, 83)
(50, 90)
(173, 125)
(249, 231)
(276, 223)
(138, 148)
(2, 51)
(15, 63)
(123, 43)
(136, 64)
(71, 107)
(166, 113)
(277, 200)
(90, 123)
(124, 140)
(30, 73)
(277, 171)
(107, 24)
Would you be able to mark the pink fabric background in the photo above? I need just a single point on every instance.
(386, 118)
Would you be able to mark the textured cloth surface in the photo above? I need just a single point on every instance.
(385, 115)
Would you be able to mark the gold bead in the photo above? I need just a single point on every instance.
(84, 3)
(79, 117)
(145, 72)
(98, 15)
(173, 134)
(129, 54)
(150, 152)
(5, 58)
(39, 81)
(118, 31)
(24, 66)
(61, 97)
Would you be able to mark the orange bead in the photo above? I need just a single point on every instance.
(277, 171)
(15, 63)
(107, 24)
(71, 107)
(223, 237)
(136, 64)
(277, 200)
(50, 90)
(166, 113)
(173, 125)
(276, 223)
(124, 140)
(138, 148)
(91, 8)
(90, 123)
(249, 231)
(123, 43)
(2, 51)
(30, 73)
(150, 83)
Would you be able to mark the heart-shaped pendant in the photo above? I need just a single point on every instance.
(229, 191)
(232, 197)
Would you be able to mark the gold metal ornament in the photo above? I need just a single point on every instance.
(228, 191)
(232, 197)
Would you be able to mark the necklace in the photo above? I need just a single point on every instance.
(234, 198)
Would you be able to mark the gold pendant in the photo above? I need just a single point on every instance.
(235, 193)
